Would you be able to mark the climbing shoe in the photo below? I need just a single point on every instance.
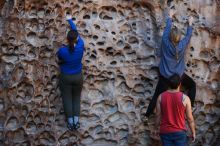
(76, 126)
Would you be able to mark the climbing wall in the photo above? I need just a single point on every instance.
(122, 38)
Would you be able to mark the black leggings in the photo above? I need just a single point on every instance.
(186, 81)
(71, 87)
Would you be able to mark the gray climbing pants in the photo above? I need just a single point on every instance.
(70, 88)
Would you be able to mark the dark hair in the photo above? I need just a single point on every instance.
(174, 81)
(72, 39)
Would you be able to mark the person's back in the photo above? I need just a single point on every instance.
(173, 50)
(172, 112)
(72, 62)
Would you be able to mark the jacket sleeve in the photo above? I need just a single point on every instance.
(72, 24)
(59, 59)
(185, 41)
(80, 41)
(167, 30)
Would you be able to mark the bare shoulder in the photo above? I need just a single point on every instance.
(159, 97)
(185, 97)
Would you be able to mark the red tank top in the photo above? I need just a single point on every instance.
(172, 112)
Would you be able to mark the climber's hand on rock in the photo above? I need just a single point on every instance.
(191, 20)
(193, 137)
(68, 17)
(155, 134)
(172, 12)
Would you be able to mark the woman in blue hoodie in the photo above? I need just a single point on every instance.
(71, 79)
(172, 61)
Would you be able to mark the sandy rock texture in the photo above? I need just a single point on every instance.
(120, 69)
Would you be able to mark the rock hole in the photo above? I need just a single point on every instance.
(113, 62)
(133, 24)
(86, 17)
(101, 43)
(133, 40)
(113, 33)
(31, 127)
(12, 123)
(94, 14)
(204, 54)
(120, 43)
(95, 37)
(105, 17)
(127, 48)
(93, 57)
(86, 31)
(97, 26)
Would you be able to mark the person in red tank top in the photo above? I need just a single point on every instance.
(171, 109)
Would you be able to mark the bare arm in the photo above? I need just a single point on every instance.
(155, 132)
(190, 118)
(158, 113)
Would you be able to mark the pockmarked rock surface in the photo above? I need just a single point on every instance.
(120, 69)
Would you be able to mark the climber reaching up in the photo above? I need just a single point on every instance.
(71, 79)
(172, 60)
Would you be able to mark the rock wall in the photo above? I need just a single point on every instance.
(120, 69)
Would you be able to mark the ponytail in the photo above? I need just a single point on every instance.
(72, 39)
(71, 46)
(175, 36)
